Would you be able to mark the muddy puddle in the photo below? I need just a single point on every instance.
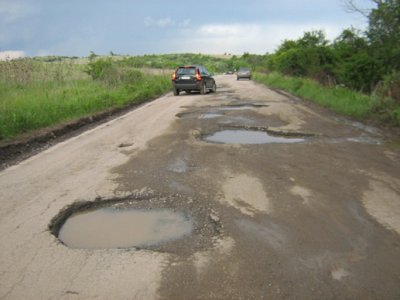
(243, 136)
(360, 140)
(200, 115)
(110, 228)
(240, 107)
(210, 115)
(143, 219)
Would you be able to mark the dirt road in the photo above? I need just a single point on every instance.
(313, 212)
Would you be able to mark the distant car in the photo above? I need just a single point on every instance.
(244, 73)
(229, 73)
(193, 78)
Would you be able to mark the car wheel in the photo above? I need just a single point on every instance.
(203, 89)
(237, 78)
(214, 88)
(176, 92)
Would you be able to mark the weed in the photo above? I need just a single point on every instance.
(36, 94)
(339, 99)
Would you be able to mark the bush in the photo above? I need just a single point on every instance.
(389, 87)
(132, 76)
(98, 69)
(339, 99)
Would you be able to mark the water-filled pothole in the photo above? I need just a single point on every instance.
(240, 107)
(109, 227)
(200, 115)
(142, 220)
(242, 136)
(210, 115)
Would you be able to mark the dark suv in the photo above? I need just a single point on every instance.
(193, 78)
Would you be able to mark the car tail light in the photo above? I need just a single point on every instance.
(174, 76)
(198, 76)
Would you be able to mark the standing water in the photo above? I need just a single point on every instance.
(107, 228)
(249, 137)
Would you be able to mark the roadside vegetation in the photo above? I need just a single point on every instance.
(337, 98)
(35, 94)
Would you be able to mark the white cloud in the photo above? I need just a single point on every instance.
(249, 37)
(9, 55)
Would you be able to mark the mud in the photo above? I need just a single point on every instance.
(248, 137)
(240, 107)
(199, 115)
(173, 224)
(110, 228)
(210, 115)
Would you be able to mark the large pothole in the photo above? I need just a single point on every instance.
(108, 228)
(211, 112)
(199, 115)
(173, 224)
(253, 136)
(240, 107)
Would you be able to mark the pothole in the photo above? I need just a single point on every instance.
(211, 112)
(232, 120)
(174, 224)
(360, 140)
(125, 145)
(108, 228)
(210, 115)
(178, 166)
(365, 140)
(187, 115)
(200, 115)
(252, 136)
(240, 107)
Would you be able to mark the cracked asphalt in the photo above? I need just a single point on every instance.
(316, 219)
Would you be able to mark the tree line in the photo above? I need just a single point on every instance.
(367, 61)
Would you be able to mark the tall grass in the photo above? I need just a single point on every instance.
(339, 99)
(34, 95)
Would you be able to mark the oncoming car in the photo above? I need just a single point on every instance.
(193, 78)
(244, 73)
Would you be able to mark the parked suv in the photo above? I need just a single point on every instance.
(193, 78)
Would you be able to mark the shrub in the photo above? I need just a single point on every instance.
(389, 87)
(97, 69)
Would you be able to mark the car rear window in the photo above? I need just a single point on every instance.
(186, 71)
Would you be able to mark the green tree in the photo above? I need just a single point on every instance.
(309, 56)
(384, 33)
(356, 67)
(383, 47)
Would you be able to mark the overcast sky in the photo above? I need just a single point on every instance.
(76, 27)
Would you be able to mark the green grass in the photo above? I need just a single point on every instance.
(62, 94)
(338, 99)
